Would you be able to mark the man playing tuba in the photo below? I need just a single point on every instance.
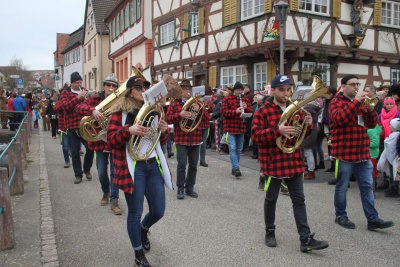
(103, 155)
(277, 165)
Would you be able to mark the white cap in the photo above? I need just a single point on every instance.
(395, 123)
(111, 79)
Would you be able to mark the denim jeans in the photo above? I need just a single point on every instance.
(318, 145)
(18, 117)
(149, 183)
(75, 143)
(107, 186)
(363, 174)
(186, 154)
(309, 155)
(295, 186)
(235, 144)
(65, 146)
(203, 146)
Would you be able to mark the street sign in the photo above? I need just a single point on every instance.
(20, 83)
(57, 78)
(14, 76)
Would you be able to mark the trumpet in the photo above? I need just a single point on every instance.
(370, 101)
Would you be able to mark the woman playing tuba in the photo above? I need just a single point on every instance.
(137, 178)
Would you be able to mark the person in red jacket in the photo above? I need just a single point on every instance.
(103, 155)
(62, 131)
(349, 120)
(277, 165)
(187, 144)
(138, 178)
(234, 126)
(69, 98)
(205, 131)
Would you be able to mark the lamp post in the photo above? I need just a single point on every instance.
(94, 69)
(281, 13)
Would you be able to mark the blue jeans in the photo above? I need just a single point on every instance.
(235, 144)
(203, 146)
(107, 185)
(295, 187)
(65, 146)
(363, 174)
(184, 155)
(75, 143)
(149, 183)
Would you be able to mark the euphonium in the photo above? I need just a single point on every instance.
(189, 125)
(94, 131)
(293, 118)
(370, 102)
(141, 147)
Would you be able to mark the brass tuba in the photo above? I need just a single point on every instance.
(141, 147)
(292, 116)
(94, 131)
(190, 124)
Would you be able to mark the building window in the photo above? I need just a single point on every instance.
(231, 75)
(133, 11)
(391, 13)
(395, 76)
(84, 55)
(260, 76)
(194, 24)
(252, 8)
(189, 74)
(139, 9)
(122, 20)
(94, 46)
(127, 16)
(326, 77)
(89, 52)
(117, 31)
(167, 33)
(315, 6)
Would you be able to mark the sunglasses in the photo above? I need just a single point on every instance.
(141, 87)
(354, 84)
(111, 85)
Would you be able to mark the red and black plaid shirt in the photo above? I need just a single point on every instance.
(350, 141)
(205, 121)
(233, 123)
(265, 131)
(118, 136)
(61, 118)
(181, 137)
(86, 108)
(68, 102)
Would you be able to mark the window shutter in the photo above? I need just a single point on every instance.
(378, 13)
(186, 26)
(294, 5)
(201, 20)
(336, 8)
(271, 71)
(230, 12)
(212, 76)
(267, 6)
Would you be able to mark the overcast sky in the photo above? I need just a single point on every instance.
(29, 29)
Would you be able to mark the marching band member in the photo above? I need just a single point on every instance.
(234, 126)
(187, 144)
(205, 131)
(138, 179)
(103, 155)
(276, 165)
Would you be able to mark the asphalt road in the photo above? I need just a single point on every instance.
(223, 227)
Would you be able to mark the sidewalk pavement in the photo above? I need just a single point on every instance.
(223, 227)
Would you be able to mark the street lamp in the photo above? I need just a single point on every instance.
(281, 13)
(94, 69)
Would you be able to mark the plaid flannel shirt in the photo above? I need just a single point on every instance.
(350, 141)
(265, 131)
(233, 123)
(62, 126)
(181, 137)
(205, 121)
(86, 108)
(68, 101)
(118, 137)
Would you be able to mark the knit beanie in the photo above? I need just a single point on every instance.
(75, 77)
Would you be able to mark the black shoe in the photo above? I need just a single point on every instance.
(330, 170)
(392, 192)
(254, 157)
(384, 184)
(192, 193)
(234, 171)
(203, 163)
(140, 259)
(181, 194)
(145, 239)
(270, 240)
(170, 154)
(312, 244)
(381, 224)
(353, 178)
(346, 223)
(238, 174)
(332, 182)
(321, 165)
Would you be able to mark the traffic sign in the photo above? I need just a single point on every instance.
(14, 76)
(20, 81)
(57, 78)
